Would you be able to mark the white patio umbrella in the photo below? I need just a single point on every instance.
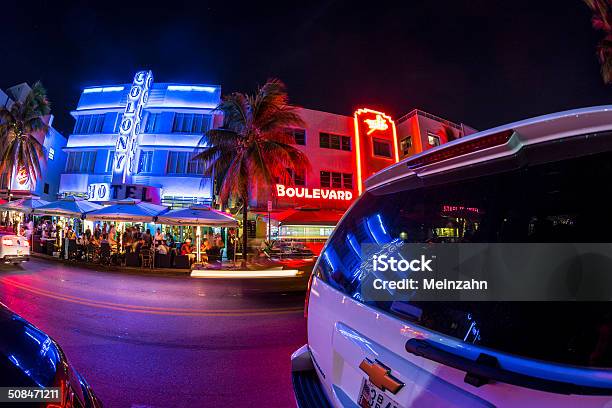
(127, 211)
(25, 205)
(198, 216)
(71, 206)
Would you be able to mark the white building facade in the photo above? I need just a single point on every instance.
(137, 141)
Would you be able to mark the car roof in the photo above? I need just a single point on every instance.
(525, 132)
(27, 354)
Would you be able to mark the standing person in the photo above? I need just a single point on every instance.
(97, 231)
(148, 238)
(159, 236)
(231, 245)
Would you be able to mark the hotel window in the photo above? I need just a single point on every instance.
(118, 122)
(296, 178)
(433, 140)
(195, 166)
(153, 122)
(406, 144)
(382, 148)
(299, 135)
(336, 180)
(145, 162)
(109, 160)
(89, 124)
(337, 142)
(347, 181)
(190, 123)
(81, 162)
(182, 163)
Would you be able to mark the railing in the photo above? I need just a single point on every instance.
(428, 115)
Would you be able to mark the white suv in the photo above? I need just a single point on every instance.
(542, 180)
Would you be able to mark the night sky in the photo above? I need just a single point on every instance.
(483, 63)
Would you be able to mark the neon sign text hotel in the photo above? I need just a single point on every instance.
(127, 140)
(315, 193)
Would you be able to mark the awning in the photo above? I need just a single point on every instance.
(309, 216)
(127, 211)
(197, 216)
(67, 207)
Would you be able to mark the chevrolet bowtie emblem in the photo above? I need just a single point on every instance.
(380, 375)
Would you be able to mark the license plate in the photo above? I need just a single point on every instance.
(373, 397)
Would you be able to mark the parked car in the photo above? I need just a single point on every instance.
(14, 249)
(545, 179)
(30, 358)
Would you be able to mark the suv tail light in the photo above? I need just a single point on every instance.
(308, 295)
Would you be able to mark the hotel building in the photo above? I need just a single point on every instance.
(138, 139)
(53, 142)
(343, 152)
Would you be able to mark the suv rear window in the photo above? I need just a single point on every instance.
(563, 201)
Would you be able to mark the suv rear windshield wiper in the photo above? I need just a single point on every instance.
(485, 369)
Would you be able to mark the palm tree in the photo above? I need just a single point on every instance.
(446, 133)
(253, 147)
(602, 20)
(20, 123)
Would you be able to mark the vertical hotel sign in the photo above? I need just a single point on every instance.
(373, 129)
(129, 129)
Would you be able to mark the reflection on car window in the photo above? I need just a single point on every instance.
(564, 201)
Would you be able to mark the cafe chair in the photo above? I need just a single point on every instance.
(146, 255)
(105, 253)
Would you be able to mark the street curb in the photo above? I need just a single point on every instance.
(268, 285)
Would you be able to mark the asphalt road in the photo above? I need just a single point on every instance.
(152, 341)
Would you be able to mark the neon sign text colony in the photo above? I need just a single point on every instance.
(315, 193)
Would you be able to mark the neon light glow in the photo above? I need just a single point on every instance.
(358, 154)
(315, 193)
(129, 129)
(380, 122)
(189, 88)
(272, 273)
(104, 89)
(376, 124)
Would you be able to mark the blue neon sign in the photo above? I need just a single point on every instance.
(127, 140)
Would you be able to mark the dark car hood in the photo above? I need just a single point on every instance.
(28, 357)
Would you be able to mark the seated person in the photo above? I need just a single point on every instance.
(163, 249)
(95, 241)
(205, 246)
(186, 248)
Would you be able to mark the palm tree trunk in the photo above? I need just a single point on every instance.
(245, 213)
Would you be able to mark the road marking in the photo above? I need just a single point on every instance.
(152, 309)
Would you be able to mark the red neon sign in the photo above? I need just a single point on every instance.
(377, 125)
(314, 193)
